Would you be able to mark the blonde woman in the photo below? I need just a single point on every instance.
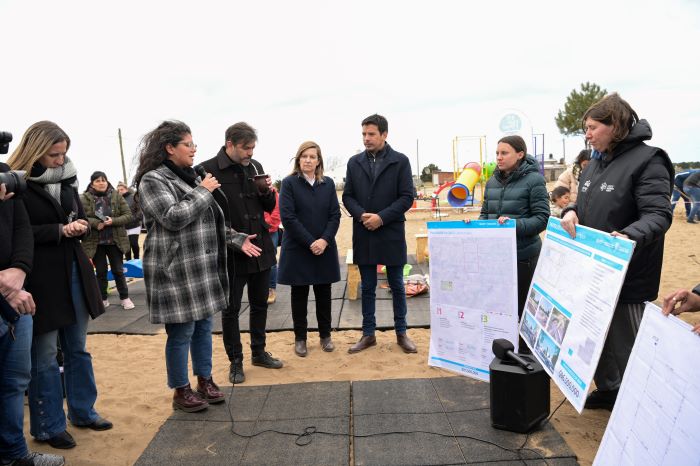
(63, 285)
(309, 257)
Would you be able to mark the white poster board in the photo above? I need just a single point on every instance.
(656, 419)
(570, 304)
(473, 293)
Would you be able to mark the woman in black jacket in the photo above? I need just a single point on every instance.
(311, 215)
(518, 191)
(63, 285)
(625, 191)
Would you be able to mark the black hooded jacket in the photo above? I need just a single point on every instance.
(629, 191)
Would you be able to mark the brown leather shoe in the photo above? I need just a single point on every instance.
(300, 348)
(327, 344)
(365, 342)
(406, 344)
(187, 400)
(209, 391)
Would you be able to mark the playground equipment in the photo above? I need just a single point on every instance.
(461, 191)
(463, 187)
(132, 268)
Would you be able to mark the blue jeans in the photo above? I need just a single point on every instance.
(15, 369)
(45, 390)
(188, 337)
(394, 273)
(273, 271)
(694, 194)
(674, 199)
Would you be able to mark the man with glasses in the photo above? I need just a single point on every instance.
(247, 198)
(378, 192)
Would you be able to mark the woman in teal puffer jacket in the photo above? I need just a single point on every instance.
(518, 191)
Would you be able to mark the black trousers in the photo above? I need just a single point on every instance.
(526, 270)
(134, 247)
(257, 297)
(300, 299)
(111, 251)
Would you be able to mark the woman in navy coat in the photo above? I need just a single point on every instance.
(309, 256)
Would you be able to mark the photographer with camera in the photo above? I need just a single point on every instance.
(63, 285)
(17, 308)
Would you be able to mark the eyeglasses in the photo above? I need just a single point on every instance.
(191, 145)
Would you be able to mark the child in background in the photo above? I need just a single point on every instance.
(273, 219)
(560, 197)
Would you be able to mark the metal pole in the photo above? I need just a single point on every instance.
(563, 148)
(121, 150)
(417, 161)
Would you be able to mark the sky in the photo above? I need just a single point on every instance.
(312, 70)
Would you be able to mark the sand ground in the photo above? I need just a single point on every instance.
(130, 370)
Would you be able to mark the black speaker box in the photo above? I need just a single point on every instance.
(519, 398)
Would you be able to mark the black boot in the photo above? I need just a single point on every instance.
(235, 372)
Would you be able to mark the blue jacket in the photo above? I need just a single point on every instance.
(389, 194)
(308, 213)
(680, 178)
(521, 196)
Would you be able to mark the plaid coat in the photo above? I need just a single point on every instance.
(184, 258)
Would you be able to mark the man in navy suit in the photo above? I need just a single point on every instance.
(378, 192)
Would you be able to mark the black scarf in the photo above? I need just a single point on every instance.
(186, 174)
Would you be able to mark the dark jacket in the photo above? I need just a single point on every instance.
(308, 213)
(629, 191)
(51, 277)
(390, 194)
(521, 196)
(121, 215)
(16, 241)
(244, 209)
(135, 208)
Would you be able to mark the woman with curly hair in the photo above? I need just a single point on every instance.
(569, 179)
(184, 258)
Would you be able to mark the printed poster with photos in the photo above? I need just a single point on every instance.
(571, 302)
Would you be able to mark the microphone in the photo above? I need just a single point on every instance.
(503, 349)
(202, 172)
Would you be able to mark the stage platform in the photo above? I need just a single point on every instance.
(437, 421)
(346, 314)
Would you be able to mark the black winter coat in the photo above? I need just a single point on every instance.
(308, 213)
(50, 280)
(389, 194)
(244, 210)
(629, 191)
(16, 241)
(521, 196)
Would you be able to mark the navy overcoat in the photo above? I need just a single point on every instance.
(389, 194)
(308, 213)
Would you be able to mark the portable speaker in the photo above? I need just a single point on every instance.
(519, 398)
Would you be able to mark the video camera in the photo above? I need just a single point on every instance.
(14, 180)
